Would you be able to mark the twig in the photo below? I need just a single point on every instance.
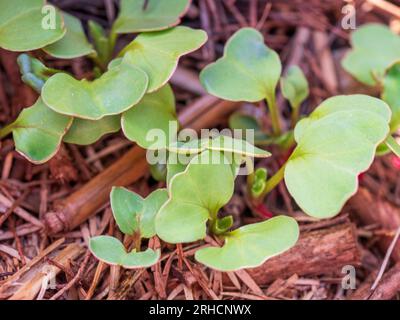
(386, 259)
(386, 6)
(75, 279)
(21, 212)
(95, 281)
(15, 204)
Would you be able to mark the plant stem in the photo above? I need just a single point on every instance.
(295, 115)
(6, 130)
(273, 182)
(274, 112)
(393, 145)
(138, 241)
(112, 40)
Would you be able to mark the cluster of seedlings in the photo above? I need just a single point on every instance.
(130, 90)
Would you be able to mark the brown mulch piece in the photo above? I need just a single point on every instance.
(35, 265)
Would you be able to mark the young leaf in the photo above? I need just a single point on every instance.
(334, 147)
(86, 132)
(133, 213)
(114, 92)
(195, 195)
(391, 94)
(74, 44)
(259, 182)
(38, 132)
(375, 48)
(157, 53)
(223, 225)
(246, 122)
(139, 16)
(251, 245)
(294, 86)
(27, 25)
(126, 207)
(155, 112)
(101, 42)
(248, 71)
(112, 251)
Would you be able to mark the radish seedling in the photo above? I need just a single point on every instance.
(294, 87)
(248, 71)
(131, 93)
(334, 144)
(135, 218)
(196, 196)
(371, 65)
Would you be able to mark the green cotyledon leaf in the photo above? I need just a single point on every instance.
(114, 92)
(153, 120)
(151, 15)
(294, 86)
(126, 207)
(112, 251)
(151, 206)
(29, 24)
(235, 151)
(74, 44)
(38, 132)
(375, 48)
(133, 213)
(335, 144)
(158, 53)
(391, 94)
(219, 143)
(248, 70)
(354, 102)
(86, 132)
(177, 164)
(251, 245)
(195, 195)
